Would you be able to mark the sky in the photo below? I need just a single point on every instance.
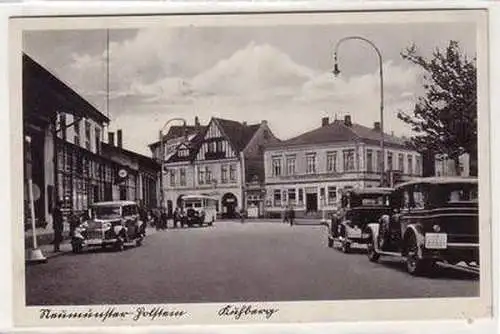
(281, 74)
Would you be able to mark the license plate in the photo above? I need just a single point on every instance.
(94, 241)
(436, 240)
(354, 234)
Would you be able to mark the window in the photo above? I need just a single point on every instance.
(276, 166)
(265, 134)
(418, 198)
(301, 196)
(223, 173)
(332, 195)
(182, 180)
(172, 178)
(291, 196)
(62, 125)
(331, 161)
(401, 161)
(211, 147)
(348, 160)
(76, 127)
(410, 164)
(87, 135)
(277, 198)
(208, 175)
(218, 146)
(378, 162)
(369, 160)
(290, 165)
(417, 165)
(97, 140)
(183, 152)
(311, 163)
(405, 203)
(201, 176)
(232, 172)
(389, 161)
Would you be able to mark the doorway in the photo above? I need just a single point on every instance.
(229, 205)
(312, 202)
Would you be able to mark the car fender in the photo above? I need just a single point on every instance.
(420, 236)
(117, 229)
(374, 229)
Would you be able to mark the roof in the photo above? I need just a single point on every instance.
(177, 131)
(42, 87)
(239, 134)
(337, 131)
(142, 159)
(113, 203)
(374, 190)
(440, 180)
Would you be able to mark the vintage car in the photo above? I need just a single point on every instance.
(359, 207)
(113, 224)
(199, 210)
(434, 223)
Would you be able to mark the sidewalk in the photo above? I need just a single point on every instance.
(47, 248)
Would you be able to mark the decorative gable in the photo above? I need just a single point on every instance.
(215, 145)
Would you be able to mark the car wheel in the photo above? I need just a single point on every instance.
(76, 247)
(346, 247)
(373, 256)
(138, 242)
(119, 246)
(330, 242)
(414, 265)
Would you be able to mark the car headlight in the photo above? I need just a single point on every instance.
(106, 226)
(436, 228)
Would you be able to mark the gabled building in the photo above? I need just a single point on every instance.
(220, 159)
(309, 170)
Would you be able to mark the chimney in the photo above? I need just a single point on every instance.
(196, 124)
(111, 138)
(244, 123)
(324, 121)
(347, 120)
(376, 126)
(119, 138)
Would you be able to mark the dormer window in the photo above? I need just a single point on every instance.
(183, 152)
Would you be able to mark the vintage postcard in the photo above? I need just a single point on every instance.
(261, 167)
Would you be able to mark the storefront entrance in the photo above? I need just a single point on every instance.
(229, 205)
(311, 202)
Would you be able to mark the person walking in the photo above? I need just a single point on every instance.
(58, 226)
(242, 215)
(291, 215)
(163, 219)
(177, 216)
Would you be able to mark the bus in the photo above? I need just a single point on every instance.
(199, 209)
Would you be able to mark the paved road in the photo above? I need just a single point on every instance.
(230, 262)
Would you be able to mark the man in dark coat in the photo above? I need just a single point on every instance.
(58, 225)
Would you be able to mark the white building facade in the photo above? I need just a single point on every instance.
(309, 171)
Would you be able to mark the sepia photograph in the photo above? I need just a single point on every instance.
(251, 167)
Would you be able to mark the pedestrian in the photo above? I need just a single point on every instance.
(163, 219)
(58, 225)
(242, 215)
(177, 216)
(291, 215)
(285, 214)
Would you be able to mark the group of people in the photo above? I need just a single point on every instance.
(289, 214)
(159, 218)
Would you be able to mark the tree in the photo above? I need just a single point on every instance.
(445, 118)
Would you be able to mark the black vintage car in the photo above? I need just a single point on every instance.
(359, 207)
(434, 223)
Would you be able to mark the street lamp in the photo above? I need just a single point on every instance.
(336, 72)
(162, 155)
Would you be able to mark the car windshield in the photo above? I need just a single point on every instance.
(106, 212)
(374, 200)
(196, 204)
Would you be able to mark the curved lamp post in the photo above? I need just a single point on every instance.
(336, 72)
(162, 156)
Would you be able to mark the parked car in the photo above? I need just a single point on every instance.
(199, 210)
(359, 207)
(111, 224)
(434, 223)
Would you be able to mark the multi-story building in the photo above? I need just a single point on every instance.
(448, 167)
(138, 175)
(216, 160)
(309, 170)
(63, 150)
